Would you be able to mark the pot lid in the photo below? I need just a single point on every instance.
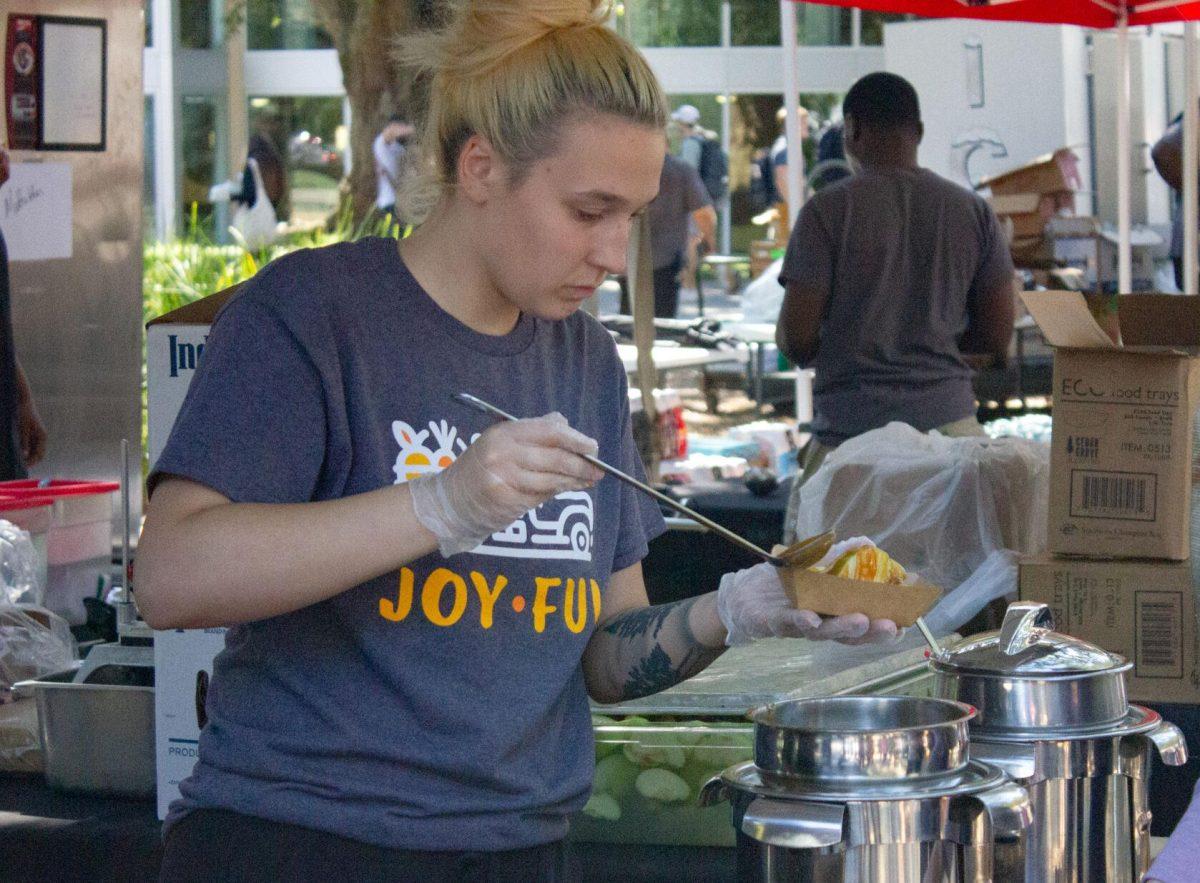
(1028, 645)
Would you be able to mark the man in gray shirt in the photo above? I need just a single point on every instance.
(890, 276)
(681, 198)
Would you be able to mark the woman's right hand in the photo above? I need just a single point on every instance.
(510, 469)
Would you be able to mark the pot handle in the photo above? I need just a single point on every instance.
(1171, 745)
(1024, 623)
(794, 824)
(1008, 806)
(714, 791)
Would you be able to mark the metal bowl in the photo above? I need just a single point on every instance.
(845, 740)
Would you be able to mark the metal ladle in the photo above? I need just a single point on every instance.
(798, 554)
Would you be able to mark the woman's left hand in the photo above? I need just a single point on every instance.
(753, 605)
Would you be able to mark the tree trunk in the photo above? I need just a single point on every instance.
(364, 34)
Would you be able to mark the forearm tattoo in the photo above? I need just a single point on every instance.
(656, 648)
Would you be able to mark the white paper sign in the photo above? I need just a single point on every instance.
(73, 84)
(35, 211)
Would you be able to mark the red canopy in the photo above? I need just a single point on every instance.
(1088, 13)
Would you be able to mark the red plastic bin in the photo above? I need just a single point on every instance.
(79, 539)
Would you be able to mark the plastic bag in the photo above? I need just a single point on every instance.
(19, 582)
(33, 642)
(763, 297)
(958, 511)
(20, 745)
(255, 225)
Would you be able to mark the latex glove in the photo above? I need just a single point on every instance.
(753, 605)
(511, 468)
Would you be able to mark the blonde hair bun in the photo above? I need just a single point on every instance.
(513, 71)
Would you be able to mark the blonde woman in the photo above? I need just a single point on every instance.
(422, 601)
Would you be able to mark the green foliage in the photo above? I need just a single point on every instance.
(186, 269)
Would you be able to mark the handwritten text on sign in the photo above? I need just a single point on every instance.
(35, 211)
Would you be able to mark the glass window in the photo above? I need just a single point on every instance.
(305, 132)
(146, 19)
(198, 146)
(872, 26)
(196, 24)
(818, 25)
(283, 24)
(670, 22)
(755, 23)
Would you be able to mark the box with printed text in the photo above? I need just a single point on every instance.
(1143, 610)
(1120, 463)
(174, 345)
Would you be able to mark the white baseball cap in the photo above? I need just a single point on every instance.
(686, 114)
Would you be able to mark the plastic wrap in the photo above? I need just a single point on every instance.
(763, 297)
(959, 511)
(20, 745)
(18, 566)
(33, 642)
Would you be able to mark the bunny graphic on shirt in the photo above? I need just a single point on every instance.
(559, 528)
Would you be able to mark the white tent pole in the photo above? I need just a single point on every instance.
(1124, 252)
(1191, 159)
(791, 100)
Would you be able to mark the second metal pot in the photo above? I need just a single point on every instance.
(1029, 681)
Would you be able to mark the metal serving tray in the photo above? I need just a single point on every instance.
(97, 737)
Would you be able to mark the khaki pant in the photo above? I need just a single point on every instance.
(813, 454)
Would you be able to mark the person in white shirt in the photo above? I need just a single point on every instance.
(389, 150)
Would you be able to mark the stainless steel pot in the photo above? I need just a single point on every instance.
(866, 788)
(1053, 715)
(853, 740)
(1027, 678)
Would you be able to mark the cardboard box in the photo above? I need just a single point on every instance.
(174, 345)
(1050, 173)
(1120, 462)
(179, 658)
(1143, 610)
(1026, 214)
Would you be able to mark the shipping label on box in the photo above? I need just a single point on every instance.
(1120, 463)
(182, 668)
(1142, 610)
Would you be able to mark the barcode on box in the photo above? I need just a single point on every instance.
(1159, 635)
(1129, 496)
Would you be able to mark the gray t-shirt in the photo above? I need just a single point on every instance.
(902, 255)
(680, 192)
(441, 706)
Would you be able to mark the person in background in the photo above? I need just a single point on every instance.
(890, 276)
(421, 598)
(831, 165)
(270, 168)
(1167, 154)
(700, 150)
(389, 149)
(691, 136)
(779, 151)
(22, 435)
(681, 202)
(1180, 858)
